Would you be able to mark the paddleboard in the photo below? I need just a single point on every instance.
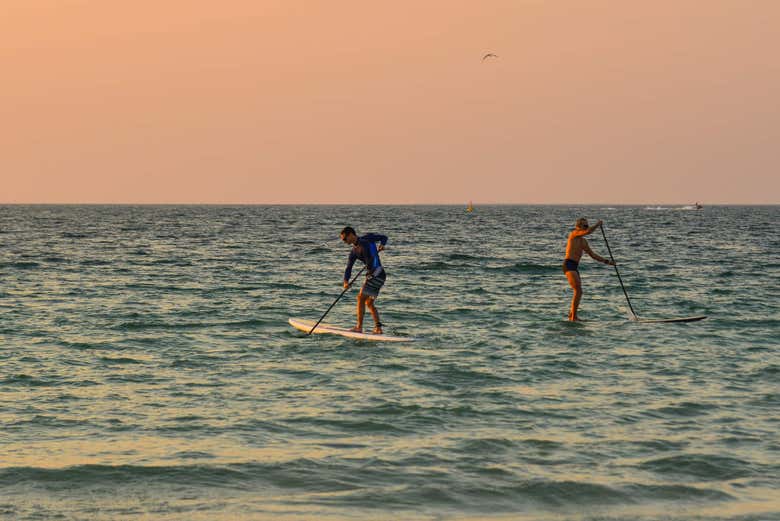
(304, 325)
(662, 320)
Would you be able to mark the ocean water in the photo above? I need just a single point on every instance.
(147, 371)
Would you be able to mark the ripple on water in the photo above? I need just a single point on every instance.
(700, 467)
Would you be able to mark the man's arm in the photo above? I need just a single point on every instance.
(580, 233)
(377, 237)
(595, 256)
(348, 271)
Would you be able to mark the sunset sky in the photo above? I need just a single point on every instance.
(285, 101)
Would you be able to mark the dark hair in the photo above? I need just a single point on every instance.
(347, 231)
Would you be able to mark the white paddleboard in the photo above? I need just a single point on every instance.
(305, 325)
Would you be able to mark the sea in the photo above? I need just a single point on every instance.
(148, 371)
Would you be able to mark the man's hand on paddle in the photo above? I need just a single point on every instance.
(594, 227)
(346, 284)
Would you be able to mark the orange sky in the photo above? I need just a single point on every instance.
(287, 101)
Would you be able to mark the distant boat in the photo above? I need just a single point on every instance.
(470, 207)
(698, 206)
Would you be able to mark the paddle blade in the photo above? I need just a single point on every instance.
(665, 320)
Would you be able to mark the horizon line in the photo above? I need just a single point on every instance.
(654, 204)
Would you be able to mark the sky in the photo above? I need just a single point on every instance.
(306, 101)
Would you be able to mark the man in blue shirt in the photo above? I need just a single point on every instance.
(364, 248)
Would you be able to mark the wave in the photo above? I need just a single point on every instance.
(450, 377)
(686, 409)
(44, 420)
(20, 265)
(90, 475)
(701, 467)
(464, 256)
(770, 373)
(767, 400)
(161, 287)
(29, 381)
(524, 268)
(95, 262)
(518, 267)
(416, 414)
(435, 266)
(54, 259)
(140, 326)
(86, 345)
(279, 285)
(174, 326)
(486, 445)
(354, 426)
(415, 481)
(504, 494)
(152, 324)
(120, 360)
(172, 262)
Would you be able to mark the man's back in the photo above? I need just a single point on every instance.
(365, 250)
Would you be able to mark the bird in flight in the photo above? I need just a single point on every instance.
(489, 55)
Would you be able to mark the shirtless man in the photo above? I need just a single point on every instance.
(574, 248)
(364, 248)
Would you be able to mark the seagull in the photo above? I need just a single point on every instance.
(489, 55)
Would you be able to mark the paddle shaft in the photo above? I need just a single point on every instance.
(337, 299)
(617, 272)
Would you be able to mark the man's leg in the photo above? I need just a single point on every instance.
(576, 285)
(361, 311)
(374, 315)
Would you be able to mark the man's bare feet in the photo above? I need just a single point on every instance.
(357, 329)
(378, 330)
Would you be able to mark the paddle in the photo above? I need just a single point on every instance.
(618, 273)
(337, 299)
(636, 317)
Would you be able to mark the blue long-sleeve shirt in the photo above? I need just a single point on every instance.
(365, 250)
